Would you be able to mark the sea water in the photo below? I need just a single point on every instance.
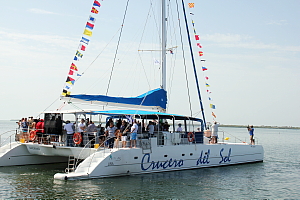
(277, 177)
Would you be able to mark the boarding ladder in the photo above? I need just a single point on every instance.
(71, 164)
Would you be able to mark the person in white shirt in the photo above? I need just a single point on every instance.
(81, 128)
(133, 135)
(70, 131)
(151, 128)
(110, 134)
(179, 129)
(214, 132)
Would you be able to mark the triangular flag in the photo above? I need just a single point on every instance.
(71, 72)
(94, 10)
(207, 85)
(75, 58)
(96, 3)
(197, 37)
(73, 66)
(82, 47)
(70, 80)
(204, 68)
(199, 45)
(213, 114)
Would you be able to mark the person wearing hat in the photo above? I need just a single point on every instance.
(179, 129)
(70, 131)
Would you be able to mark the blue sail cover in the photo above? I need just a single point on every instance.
(153, 98)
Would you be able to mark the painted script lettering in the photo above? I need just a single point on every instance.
(225, 159)
(204, 159)
(147, 164)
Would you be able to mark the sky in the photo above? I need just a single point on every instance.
(251, 48)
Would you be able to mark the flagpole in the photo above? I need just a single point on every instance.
(194, 65)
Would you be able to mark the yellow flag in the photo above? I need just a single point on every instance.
(88, 32)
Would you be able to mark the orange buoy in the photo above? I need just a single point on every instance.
(191, 136)
(32, 135)
(77, 138)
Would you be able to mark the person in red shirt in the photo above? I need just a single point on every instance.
(40, 129)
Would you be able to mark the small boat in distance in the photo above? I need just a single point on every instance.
(152, 139)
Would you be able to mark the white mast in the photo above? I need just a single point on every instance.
(163, 44)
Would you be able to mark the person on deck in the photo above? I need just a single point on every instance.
(81, 128)
(133, 135)
(123, 131)
(40, 130)
(70, 131)
(214, 132)
(151, 128)
(90, 131)
(251, 133)
(179, 129)
(110, 134)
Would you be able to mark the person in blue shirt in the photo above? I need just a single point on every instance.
(251, 133)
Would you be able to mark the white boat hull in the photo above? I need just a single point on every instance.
(125, 161)
(16, 154)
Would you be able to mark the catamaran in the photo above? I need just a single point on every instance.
(163, 148)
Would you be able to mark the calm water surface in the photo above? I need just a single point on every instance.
(277, 177)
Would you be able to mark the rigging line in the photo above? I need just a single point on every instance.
(48, 107)
(193, 62)
(184, 62)
(122, 26)
(172, 69)
(140, 45)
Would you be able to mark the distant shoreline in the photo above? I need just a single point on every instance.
(262, 126)
(234, 126)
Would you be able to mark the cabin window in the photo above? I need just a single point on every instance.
(136, 157)
(165, 155)
(191, 154)
(183, 154)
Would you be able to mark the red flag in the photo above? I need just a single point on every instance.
(200, 53)
(197, 37)
(71, 72)
(206, 77)
(73, 66)
(82, 48)
(94, 10)
(199, 45)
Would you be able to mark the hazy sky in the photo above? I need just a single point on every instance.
(251, 48)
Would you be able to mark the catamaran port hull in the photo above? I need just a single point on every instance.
(16, 154)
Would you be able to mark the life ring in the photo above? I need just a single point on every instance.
(191, 136)
(77, 138)
(32, 135)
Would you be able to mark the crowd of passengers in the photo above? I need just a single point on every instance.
(113, 132)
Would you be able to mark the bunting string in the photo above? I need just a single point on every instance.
(204, 68)
(73, 73)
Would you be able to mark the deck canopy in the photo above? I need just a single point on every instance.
(142, 114)
(155, 100)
